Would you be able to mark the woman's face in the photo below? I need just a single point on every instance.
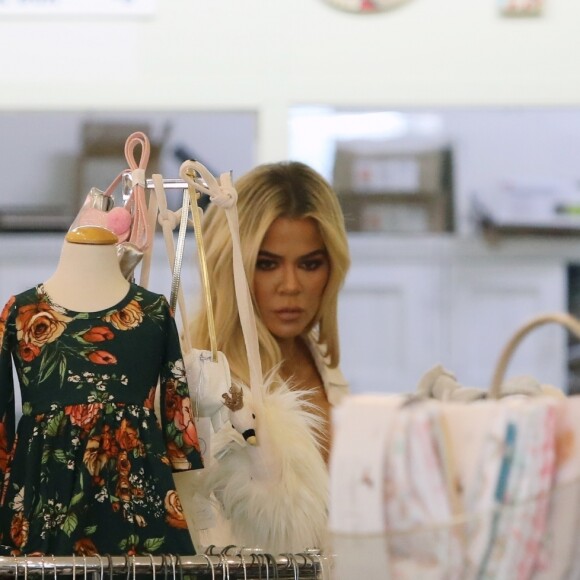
(291, 274)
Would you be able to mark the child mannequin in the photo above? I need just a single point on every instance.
(88, 277)
(90, 467)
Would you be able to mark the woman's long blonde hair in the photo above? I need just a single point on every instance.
(287, 189)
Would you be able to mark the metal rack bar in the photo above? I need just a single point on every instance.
(246, 563)
(168, 184)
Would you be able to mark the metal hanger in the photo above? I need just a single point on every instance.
(110, 565)
(102, 572)
(210, 564)
(172, 558)
(225, 566)
(179, 566)
(152, 566)
(271, 560)
(243, 563)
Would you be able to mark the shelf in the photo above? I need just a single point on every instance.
(392, 212)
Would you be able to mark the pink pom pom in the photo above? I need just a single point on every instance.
(119, 222)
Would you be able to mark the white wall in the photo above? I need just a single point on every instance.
(267, 55)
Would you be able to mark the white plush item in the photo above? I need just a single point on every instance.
(273, 495)
(207, 382)
(441, 384)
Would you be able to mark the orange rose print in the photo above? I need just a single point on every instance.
(94, 458)
(98, 334)
(108, 442)
(172, 399)
(85, 416)
(177, 457)
(4, 451)
(28, 352)
(123, 490)
(102, 357)
(183, 420)
(4, 317)
(19, 529)
(123, 464)
(175, 516)
(128, 318)
(85, 547)
(38, 324)
(127, 436)
(150, 400)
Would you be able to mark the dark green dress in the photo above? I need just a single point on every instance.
(89, 469)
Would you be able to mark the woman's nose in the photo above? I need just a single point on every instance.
(289, 283)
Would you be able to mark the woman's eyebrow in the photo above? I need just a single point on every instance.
(313, 254)
(266, 254)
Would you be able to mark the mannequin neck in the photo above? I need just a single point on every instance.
(88, 278)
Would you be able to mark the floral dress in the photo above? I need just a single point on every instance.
(89, 468)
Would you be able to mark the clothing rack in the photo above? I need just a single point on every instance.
(246, 563)
(168, 183)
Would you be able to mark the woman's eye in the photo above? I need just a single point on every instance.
(264, 264)
(311, 265)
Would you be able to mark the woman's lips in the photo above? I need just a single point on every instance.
(288, 314)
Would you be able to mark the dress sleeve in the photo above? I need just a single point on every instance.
(177, 417)
(7, 411)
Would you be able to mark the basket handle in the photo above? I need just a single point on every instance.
(571, 323)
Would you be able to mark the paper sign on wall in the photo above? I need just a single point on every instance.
(521, 7)
(78, 7)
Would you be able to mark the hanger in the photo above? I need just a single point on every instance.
(152, 562)
(271, 560)
(54, 567)
(210, 564)
(179, 566)
(225, 566)
(164, 565)
(127, 566)
(243, 563)
(295, 567)
(110, 565)
(102, 573)
(172, 557)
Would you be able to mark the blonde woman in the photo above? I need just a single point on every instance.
(296, 257)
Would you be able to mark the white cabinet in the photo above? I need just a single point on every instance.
(409, 304)
(489, 302)
(390, 323)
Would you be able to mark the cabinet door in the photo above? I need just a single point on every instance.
(489, 303)
(390, 325)
(26, 261)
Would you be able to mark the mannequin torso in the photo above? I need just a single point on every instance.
(88, 278)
